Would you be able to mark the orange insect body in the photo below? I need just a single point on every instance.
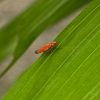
(46, 47)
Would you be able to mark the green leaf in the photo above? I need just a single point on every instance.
(70, 73)
(28, 26)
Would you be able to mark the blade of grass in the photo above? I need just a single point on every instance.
(70, 73)
(30, 24)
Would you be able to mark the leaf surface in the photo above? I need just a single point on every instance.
(20, 33)
(70, 73)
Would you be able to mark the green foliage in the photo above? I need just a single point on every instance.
(17, 36)
(70, 73)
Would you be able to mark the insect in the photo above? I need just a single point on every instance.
(47, 47)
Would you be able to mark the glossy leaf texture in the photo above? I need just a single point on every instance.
(20, 33)
(70, 73)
